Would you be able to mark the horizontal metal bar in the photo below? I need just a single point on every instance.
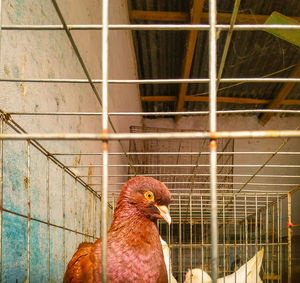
(45, 222)
(155, 81)
(188, 175)
(190, 113)
(185, 153)
(247, 193)
(188, 165)
(204, 183)
(200, 191)
(188, 245)
(151, 27)
(171, 135)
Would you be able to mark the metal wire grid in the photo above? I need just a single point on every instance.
(71, 224)
(212, 134)
(252, 221)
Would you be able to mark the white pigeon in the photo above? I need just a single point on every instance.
(166, 251)
(199, 276)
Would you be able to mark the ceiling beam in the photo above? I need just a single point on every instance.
(161, 16)
(235, 100)
(281, 95)
(158, 98)
(196, 14)
(222, 18)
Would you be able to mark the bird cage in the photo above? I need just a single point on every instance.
(212, 89)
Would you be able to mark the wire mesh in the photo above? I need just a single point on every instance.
(246, 219)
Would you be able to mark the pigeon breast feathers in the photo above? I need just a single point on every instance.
(134, 251)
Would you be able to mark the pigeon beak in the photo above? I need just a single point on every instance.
(164, 213)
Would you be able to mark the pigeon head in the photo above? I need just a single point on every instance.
(147, 196)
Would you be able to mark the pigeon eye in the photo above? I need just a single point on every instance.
(149, 196)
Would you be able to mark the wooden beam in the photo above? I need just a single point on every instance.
(161, 16)
(190, 50)
(222, 18)
(235, 100)
(281, 95)
(158, 98)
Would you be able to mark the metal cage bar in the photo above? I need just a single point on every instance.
(105, 11)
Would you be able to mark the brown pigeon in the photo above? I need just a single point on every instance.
(134, 251)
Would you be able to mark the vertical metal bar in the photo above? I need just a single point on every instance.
(267, 237)
(234, 211)
(289, 238)
(191, 236)
(95, 217)
(213, 144)
(48, 214)
(28, 187)
(64, 216)
(278, 238)
(169, 242)
(228, 38)
(280, 220)
(1, 144)
(250, 235)
(76, 209)
(113, 204)
(242, 241)
(246, 239)
(1, 172)
(256, 241)
(224, 240)
(180, 243)
(273, 240)
(260, 224)
(202, 232)
(105, 142)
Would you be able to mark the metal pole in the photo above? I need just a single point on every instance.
(213, 144)
(278, 238)
(105, 142)
(234, 203)
(1, 172)
(289, 238)
(169, 242)
(64, 216)
(163, 136)
(256, 241)
(246, 239)
(224, 240)
(48, 213)
(202, 232)
(273, 240)
(28, 187)
(180, 243)
(191, 237)
(267, 237)
(280, 220)
(153, 27)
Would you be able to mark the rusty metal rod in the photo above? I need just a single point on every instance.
(145, 136)
(151, 81)
(178, 27)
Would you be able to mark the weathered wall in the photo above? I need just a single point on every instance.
(48, 54)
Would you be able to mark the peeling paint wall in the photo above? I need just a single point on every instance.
(46, 55)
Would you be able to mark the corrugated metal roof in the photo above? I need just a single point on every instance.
(160, 55)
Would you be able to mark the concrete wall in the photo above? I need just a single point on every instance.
(48, 54)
